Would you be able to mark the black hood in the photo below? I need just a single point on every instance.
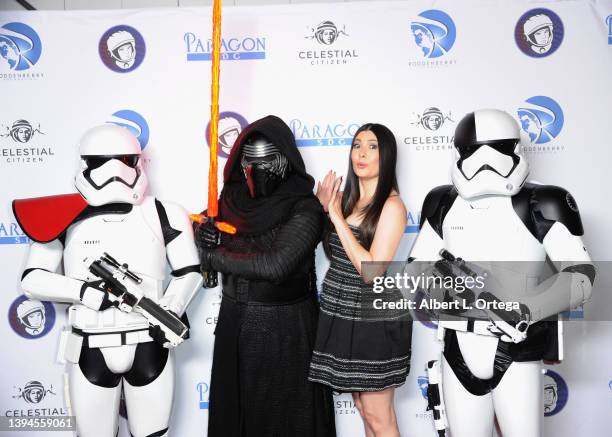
(254, 216)
(277, 131)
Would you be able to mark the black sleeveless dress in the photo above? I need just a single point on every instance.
(354, 352)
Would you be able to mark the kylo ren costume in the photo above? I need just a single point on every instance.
(267, 321)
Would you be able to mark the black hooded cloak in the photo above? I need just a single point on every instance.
(268, 316)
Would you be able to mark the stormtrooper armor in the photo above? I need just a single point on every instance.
(491, 213)
(108, 348)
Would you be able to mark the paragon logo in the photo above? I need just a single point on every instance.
(432, 120)
(20, 50)
(122, 48)
(245, 48)
(539, 32)
(327, 33)
(134, 122)
(609, 24)
(308, 135)
(230, 126)
(11, 233)
(412, 223)
(203, 392)
(31, 318)
(434, 33)
(22, 132)
(541, 119)
(555, 393)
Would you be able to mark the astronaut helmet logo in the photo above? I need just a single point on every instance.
(432, 119)
(20, 47)
(555, 393)
(31, 318)
(122, 48)
(21, 131)
(33, 392)
(539, 32)
(541, 118)
(434, 33)
(230, 126)
(326, 33)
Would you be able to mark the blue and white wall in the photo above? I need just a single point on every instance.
(57, 80)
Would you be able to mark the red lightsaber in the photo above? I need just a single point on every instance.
(210, 278)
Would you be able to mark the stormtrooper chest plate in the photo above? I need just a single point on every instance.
(130, 238)
(488, 229)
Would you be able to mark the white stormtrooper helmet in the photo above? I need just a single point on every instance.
(111, 170)
(488, 156)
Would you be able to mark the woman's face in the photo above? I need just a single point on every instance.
(364, 155)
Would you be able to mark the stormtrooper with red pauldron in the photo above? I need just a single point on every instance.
(106, 251)
(489, 216)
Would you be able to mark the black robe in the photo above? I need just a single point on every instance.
(267, 321)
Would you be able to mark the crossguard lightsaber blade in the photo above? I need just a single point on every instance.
(210, 277)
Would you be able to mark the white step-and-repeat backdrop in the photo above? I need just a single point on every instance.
(415, 66)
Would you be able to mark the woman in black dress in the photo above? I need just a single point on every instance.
(355, 351)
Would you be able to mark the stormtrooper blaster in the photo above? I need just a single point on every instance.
(435, 400)
(509, 325)
(122, 287)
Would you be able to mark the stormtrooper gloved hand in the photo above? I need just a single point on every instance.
(93, 297)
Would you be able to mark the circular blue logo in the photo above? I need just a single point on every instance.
(555, 393)
(230, 126)
(122, 48)
(20, 46)
(541, 118)
(539, 32)
(434, 33)
(31, 318)
(134, 122)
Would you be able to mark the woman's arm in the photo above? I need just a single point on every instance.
(387, 237)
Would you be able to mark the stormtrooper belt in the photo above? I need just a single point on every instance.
(480, 327)
(121, 338)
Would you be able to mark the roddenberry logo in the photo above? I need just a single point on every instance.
(133, 121)
(541, 119)
(539, 32)
(434, 33)
(230, 126)
(20, 46)
(122, 48)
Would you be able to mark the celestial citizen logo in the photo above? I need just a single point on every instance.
(539, 32)
(31, 318)
(329, 134)
(434, 33)
(423, 382)
(232, 48)
(21, 131)
(122, 48)
(203, 390)
(541, 119)
(33, 392)
(555, 393)
(326, 33)
(133, 121)
(20, 47)
(432, 119)
(230, 126)
(609, 24)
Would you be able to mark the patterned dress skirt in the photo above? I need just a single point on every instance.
(353, 350)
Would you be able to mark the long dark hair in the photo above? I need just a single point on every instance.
(387, 182)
